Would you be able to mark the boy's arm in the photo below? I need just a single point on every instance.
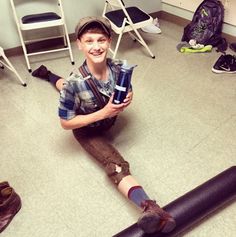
(110, 110)
(82, 120)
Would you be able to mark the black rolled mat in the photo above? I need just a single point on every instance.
(193, 206)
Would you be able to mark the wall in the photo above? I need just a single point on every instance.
(186, 8)
(74, 10)
(229, 6)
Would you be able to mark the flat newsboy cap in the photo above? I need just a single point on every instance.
(105, 24)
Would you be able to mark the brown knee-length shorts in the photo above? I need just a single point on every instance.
(95, 143)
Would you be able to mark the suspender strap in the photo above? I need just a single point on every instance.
(105, 123)
(92, 86)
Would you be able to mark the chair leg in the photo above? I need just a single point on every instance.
(11, 67)
(117, 46)
(140, 38)
(27, 59)
(132, 36)
(68, 44)
(64, 37)
(24, 50)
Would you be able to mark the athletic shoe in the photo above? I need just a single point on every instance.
(153, 28)
(205, 49)
(194, 45)
(225, 64)
(154, 219)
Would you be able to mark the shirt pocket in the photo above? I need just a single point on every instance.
(90, 105)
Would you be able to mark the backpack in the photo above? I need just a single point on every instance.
(206, 24)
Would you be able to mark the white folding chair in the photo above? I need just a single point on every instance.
(6, 63)
(126, 19)
(38, 21)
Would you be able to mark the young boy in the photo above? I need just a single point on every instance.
(80, 111)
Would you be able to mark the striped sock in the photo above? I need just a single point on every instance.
(137, 194)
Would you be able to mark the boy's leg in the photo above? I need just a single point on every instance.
(43, 73)
(153, 217)
(97, 146)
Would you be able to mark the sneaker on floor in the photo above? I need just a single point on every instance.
(154, 219)
(225, 64)
(41, 72)
(156, 22)
(151, 29)
(205, 49)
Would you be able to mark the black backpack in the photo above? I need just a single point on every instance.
(206, 25)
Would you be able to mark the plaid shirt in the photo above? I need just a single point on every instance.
(77, 98)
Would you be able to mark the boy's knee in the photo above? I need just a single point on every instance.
(117, 171)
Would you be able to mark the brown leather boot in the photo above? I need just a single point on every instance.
(3, 185)
(10, 204)
(154, 219)
(41, 72)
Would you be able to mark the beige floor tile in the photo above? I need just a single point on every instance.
(178, 133)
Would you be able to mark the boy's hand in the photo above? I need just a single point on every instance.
(128, 99)
(112, 110)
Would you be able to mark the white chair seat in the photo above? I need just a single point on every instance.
(41, 25)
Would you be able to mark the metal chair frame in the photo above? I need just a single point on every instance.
(23, 27)
(6, 63)
(126, 19)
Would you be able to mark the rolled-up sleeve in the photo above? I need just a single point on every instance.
(67, 103)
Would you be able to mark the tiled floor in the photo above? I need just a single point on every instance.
(179, 132)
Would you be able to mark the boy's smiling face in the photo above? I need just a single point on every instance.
(95, 46)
